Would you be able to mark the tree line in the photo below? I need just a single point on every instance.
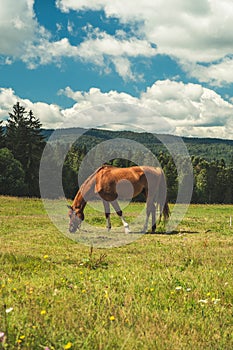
(22, 142)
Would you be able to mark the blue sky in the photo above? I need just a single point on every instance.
(92, 62)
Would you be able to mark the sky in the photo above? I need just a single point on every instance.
(161, 65)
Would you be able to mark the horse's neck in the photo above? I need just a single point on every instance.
(79, 201)
(84, 193)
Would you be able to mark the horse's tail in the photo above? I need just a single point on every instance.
(162, 199)
(166, 211)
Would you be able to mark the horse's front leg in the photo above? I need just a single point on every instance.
(119, 213)
(107, 215)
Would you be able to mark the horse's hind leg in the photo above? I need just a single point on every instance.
(153, 211)
(119, 213)
(150, 209)
(107, 214)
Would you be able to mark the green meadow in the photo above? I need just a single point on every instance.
(162, 291)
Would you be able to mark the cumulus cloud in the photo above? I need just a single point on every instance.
(216, 74)
(16, 22)
(45, 52)
(25, 39)
(199, 30)
(99, 47)
(18, 27)
(189, 31)
(99, 43)
(166, 106)
(50, 115)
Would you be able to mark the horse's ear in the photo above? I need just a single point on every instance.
(69, 207)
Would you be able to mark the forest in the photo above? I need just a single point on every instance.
(23, 140)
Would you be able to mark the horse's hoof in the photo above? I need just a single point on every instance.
(127, 230)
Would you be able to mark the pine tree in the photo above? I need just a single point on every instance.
(24, 139)
(2, 136)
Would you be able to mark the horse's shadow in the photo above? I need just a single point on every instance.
(175, 232)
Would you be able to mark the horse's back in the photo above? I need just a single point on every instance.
(110, 181)
(114, 173)
(108, 176)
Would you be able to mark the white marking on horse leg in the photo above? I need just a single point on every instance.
(119, 213)
(126, 225)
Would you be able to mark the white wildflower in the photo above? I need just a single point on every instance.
(203, 301)
(9, 310)
(178, 288)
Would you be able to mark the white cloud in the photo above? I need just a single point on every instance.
(123, 68)
(18, 26)
(192, 32)
(7, 100)
(217, 74)
(70, 27)
(99, 42)
(45, 52)
(99, 48)
(189, 31)
(50, 115)
(165, 107)
(25, 39)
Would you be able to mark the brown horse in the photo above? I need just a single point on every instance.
(110, 182)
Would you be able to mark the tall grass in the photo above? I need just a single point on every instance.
(159, 292)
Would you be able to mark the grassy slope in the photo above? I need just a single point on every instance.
(160, 292)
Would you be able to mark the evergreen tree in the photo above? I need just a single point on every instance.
(2, 137)
(70, 173)
(24, 139)
(11, 175)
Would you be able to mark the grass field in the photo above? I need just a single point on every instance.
(163, 291)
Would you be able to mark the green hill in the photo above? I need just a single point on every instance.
(207, 148)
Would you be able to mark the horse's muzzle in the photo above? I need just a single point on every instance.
(74, 227)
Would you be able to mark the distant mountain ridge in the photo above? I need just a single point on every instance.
(207, 148)
(104, 133)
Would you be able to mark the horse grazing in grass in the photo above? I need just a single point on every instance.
(109, 182)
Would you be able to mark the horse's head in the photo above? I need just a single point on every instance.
(76, 217)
